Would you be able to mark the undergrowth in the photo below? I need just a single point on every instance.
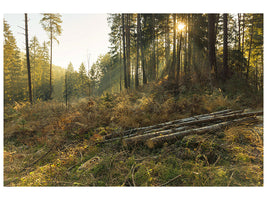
(47, 144)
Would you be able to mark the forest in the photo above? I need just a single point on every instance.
(177, 101)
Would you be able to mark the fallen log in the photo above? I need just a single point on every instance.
(193, 119)
(182, 126)
(220, 118)
(173, 137)
(142, 138)
(135, 139)
(157, 126)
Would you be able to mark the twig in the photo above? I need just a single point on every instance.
(128, 175)
(133, 176)
(38, 159)
(230, 178)
(217, 160)
(173, 179)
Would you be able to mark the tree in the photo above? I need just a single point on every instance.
(167, 42)
(225, 46)
(51, 24)
(128, 50)
(143, 60)
(212, 42)
(28, 58)
(13, 87)
(44, 62)
(124, 52)
(172, 71)
(82, 81)
(137, 50)
(115, 22)
(69, 83)
(35, 67)
(250, 44)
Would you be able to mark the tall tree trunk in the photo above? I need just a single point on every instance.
(124, 52)
(189, 51)
(137, 50)
(243, 39)
(167, 44)
(128, 63)
(33, 73)
(186, 48)
(120, 62)
(143, 60)
(249, 52)
(51, 41)
(28, 58)
(154, 48)
(239, 31)
(157, 58)
(225, 46)
(211, 43)
(239, 42)
(172, 71)
(179, 59)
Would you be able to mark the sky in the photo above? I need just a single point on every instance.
(84, 37)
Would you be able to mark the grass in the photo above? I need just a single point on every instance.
(47, 144)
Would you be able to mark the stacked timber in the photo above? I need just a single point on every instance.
(170, 132)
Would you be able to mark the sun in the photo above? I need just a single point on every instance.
(181, 26)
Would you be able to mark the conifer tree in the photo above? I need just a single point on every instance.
(28, 57)
(12, 67)
(51, 24)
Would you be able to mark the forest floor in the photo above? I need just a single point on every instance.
(46, 144)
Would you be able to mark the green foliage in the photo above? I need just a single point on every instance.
(13, 77)
(51, 24)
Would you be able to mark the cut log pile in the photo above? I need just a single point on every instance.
(170, 132)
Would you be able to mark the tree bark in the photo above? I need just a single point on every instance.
(211, 43)
(120, 62)
(154, 48)
(128, 61)
(173, 137)
(169, 123)
(142, 138)
(225, 47)
(172, 71)
(243, 39)
(124, 52)
(137, 50)
(249, 52)
(167, 44)
(28, 58)
(178, 60)
(239, 31)
(143, 60)
(182, 126)
(186, 48)
(51, 41)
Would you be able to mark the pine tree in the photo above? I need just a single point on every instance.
(82, 81)
(51, 24)
(34, 50)
(212, 42)
(12, 67)
(44, 62)
(225, 46)
(28, 58)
